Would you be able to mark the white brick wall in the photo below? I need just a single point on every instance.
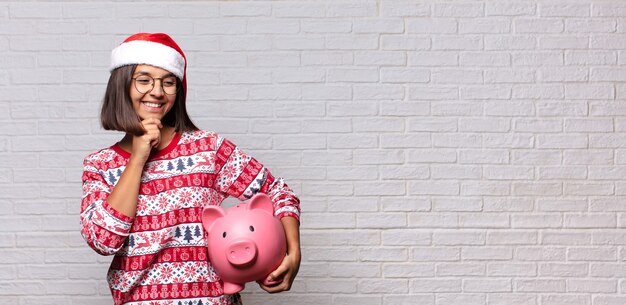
(446, 152)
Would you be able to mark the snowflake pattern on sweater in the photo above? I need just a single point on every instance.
(160, 254)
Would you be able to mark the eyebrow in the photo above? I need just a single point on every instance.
(149, 74)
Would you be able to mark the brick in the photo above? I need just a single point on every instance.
(343, 236)
(352, 141)
(447, 188)
(565, 42)
(309, 109)
(540, 253)
(454, 42)
(561, 173)
(565, 238)
(483, 156)
(365, 157)
(352, 75)
(456, 76)
(392, 286)
(405, 9)
(326, 92)
(378, 26)
(423, 254)
(273, 26)
(507, 204)
(542, 25)
(401, 204)
(457, 140)
(431, 156)
(463, 238)
(405, 141)
(22, 288)
(538, 125)
(404, 270)
(323, 58)
(484, 220)
(386, 188)
(566, 74)
(512, 298)
(590, 26)
(433, 58)
(404, 172)
(510, 9)
(460, 269)
(272, 92)
(538, 91)
(403, 75)
(383, 254)
(511, 269)
(456, 205)
(486, 285)
(357, 300)
(590, 57)
(351, 42)
(352, 9)
(517, 42)
(561, 205)
(534, 58)
(539, 285)
(435, 285)
(245, 43)
(433, 220)
(404, 237)
(608, 9)
(378, 124)
(592, 254)
(388, 58)
(289, 10)
(262, 59)
(391, 42)
(431, 26)
(564, 270)
(484, 26)
(538, 188)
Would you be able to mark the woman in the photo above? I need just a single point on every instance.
(143, 196)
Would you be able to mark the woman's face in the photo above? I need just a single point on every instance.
(151, 91)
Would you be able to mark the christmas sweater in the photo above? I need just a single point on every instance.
(161, 253)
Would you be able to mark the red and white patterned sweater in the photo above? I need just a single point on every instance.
(160, 254)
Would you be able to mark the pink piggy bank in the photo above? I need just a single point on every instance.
(246, 242)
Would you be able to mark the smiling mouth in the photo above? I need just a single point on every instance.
(153, 105)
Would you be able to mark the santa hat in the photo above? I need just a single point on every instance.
(155, 49)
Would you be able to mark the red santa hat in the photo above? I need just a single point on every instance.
(155, 49)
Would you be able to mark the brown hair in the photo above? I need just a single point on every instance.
(117, 109)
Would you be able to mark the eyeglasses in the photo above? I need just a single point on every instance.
(145, 84)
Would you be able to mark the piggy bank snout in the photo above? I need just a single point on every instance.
(242, 252)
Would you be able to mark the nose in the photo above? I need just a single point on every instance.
(242, 252)
(157, 88)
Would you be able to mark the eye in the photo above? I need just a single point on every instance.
(251, 229)
(143, 79)
(169, 82)
(224, 235)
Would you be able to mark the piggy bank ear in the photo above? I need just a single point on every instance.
(262, 202)
(210, 214)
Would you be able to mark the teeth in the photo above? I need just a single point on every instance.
(153, 105)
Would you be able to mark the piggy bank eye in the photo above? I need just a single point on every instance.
(251, 229)
(224, 235)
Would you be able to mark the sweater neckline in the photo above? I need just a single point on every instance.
(154, 155)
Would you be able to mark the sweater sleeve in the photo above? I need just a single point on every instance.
(102, 227)
(241, 176)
